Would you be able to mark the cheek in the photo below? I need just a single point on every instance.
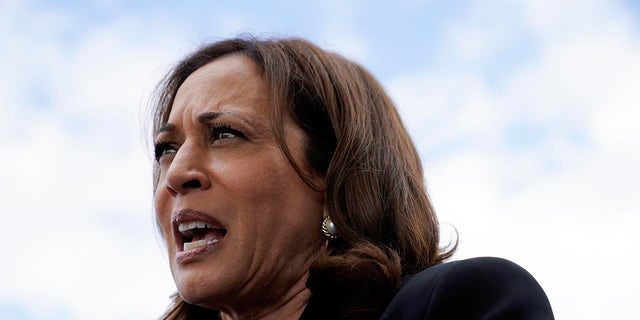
(273, 193)
(281, 207)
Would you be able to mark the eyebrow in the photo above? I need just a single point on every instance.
(204, 118)
(166, 127)
(208, 116)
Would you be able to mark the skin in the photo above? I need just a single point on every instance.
(240, 177)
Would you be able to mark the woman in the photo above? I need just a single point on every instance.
(286, 187)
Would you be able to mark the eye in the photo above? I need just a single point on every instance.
(162, 149)
(223, 132)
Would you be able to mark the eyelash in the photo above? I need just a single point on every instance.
(215, 130)
(160, 149)
(218, 128)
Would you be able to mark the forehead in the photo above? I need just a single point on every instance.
(231, 83)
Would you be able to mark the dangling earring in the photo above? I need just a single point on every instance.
(329, 229)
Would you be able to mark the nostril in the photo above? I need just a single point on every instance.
(172, 192)
(192, 184)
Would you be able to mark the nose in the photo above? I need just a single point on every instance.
(187, 172)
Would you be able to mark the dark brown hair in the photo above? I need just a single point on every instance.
(374, 190)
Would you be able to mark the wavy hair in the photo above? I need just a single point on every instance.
(374, 192)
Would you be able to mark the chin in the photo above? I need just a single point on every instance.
(197, 294)
(199, 287)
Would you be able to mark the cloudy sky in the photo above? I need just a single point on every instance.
(525, 113)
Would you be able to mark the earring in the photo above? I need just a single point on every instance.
(329, 229)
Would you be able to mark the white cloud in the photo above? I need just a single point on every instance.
(439, 117)
(481, 31)
(75, 179)
(75, 176)
(566, 205)
(556, 21)
(338, 33)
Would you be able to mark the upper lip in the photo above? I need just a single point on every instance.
(188, 215)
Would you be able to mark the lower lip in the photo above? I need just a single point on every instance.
(183, 257)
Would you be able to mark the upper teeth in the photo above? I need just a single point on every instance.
(186, 226)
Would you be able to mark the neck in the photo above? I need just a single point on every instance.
(290, 307)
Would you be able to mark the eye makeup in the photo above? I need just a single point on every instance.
(223, 131)
(163, 148)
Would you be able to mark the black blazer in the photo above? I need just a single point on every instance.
(479, 288)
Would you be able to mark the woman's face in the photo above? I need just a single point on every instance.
(240, 225)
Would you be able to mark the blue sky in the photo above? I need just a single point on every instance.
(525, 114)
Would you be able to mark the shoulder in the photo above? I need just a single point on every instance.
(477, 288)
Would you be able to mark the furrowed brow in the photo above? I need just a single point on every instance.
(208, 116)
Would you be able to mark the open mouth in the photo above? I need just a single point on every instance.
(195, 234)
